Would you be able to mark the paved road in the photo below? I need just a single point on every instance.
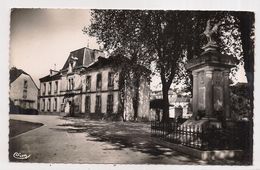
(53, 143)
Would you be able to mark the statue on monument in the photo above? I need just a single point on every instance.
(210, 33)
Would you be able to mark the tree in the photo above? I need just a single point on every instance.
(145, 36)
(121, 35)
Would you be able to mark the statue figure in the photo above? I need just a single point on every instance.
(209, 33)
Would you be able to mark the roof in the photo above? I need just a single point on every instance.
(115, 61)
(110, 61)
(50, 78)
(84, 56)
(15, 73)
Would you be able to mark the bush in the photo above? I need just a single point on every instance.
(240, 102)
(19, 110)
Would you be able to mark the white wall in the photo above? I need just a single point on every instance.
(17, 86)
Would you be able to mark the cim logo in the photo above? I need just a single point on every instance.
(18, 155)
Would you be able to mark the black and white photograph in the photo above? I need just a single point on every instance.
(119, 86)
(131, 86)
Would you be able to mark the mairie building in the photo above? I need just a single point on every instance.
(88, 85)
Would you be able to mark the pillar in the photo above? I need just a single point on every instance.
(209, 93)
(226, 95)
(195, 93)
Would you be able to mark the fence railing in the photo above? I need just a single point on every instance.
(201, 138)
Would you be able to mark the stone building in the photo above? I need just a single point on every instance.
(88, 85)
(179, 105)
(23, 90)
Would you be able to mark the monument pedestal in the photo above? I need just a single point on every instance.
(211, 86)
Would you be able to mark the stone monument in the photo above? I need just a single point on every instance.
(211, 99)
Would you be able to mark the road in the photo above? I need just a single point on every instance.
(58, 141)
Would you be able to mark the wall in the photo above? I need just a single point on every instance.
(103, 92)
(184, 106)
(17, 86)
(51, 96)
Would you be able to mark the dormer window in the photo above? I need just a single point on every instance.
(70, 67)
(72, 63)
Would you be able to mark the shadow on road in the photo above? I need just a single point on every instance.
(121, 135)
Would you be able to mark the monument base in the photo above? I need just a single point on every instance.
(223, 155)
(202, 123)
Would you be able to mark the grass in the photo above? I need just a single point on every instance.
(18, 127)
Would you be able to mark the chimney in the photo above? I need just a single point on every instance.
(51, 72)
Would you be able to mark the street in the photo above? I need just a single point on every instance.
(74, 140)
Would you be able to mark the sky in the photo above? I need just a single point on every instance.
(41, 39)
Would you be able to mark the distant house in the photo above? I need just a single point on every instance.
(23, 90)
(88, 85)
(179, 105)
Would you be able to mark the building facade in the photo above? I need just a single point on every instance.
(179, 105)
(23, 90)
(88, 85)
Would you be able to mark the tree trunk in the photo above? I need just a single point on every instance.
(246, 22)
(165, 116)
(121, 96)
(136, 95)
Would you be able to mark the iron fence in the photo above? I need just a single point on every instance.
(235, 137)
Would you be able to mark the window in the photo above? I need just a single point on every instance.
(99, 81)
(25, 84)
(24, 93)
(43, 104)
(71, 84)
(110, 103)
(49, 105)
(87, 104)
(98, 104)
(55, 104)
(49, 88)
(44, 89)
(56, 86)
(88, 83)
(110, 79)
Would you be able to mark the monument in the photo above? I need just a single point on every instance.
(211, 96)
